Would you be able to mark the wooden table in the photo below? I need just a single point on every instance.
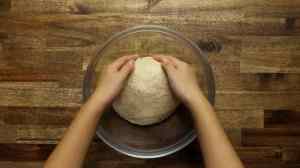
(253, 47)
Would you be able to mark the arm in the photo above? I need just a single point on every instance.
(72, 149)
(217, 149)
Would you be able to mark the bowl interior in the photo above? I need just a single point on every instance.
(169, 132)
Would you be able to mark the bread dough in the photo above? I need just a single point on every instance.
(146, 98)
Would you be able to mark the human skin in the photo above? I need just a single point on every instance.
(215, 145)
(73, 147)
(217, 150)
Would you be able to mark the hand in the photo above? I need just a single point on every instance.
(113, 78)
(182, 78)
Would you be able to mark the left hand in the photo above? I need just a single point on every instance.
(113, 78)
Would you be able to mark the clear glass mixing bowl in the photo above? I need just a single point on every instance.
(172, 134)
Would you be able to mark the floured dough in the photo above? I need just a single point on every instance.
(146, 98)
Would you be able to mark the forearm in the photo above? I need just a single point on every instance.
(215, 145)
(71, 151)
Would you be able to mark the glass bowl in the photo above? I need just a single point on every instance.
(175, 132)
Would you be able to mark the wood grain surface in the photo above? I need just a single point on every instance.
(252, 46)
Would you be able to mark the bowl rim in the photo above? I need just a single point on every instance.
(190, 136)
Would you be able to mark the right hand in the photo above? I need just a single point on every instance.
(182, 78)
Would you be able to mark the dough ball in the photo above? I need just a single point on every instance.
(146, 98)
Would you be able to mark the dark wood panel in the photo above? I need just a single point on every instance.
(282, 119)
(37, 116)
(270, 165)
(291, 154)
(40, 97)
(118, 164)
(9, 164)
(251, 155)
(5, 6)
(100, 154)
(271, 137)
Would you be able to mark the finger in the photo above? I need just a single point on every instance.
(169, 68)
(127, 68)
(158, 58)
(117, 64)
(164, 59)
(175, 60)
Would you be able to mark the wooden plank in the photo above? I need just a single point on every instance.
(25, 152)
(229, 80)
(37, 116)
(39, 134)
(46, 125)
(271, 137)
(30, 78)
(231, 119)
(21, 34)
(250, 155)
(268, 165)
(278, 54)
(278, 8)
(234, 135)
(67, 32)
(101, 152)
(269, 82)
(268, 26)
(18, 60)
(98, 152)
(24, 164)
(31, 134)
(8, 133)
(63, 97)
(40, 97)
(104, 156)
(291, 154)
(256, 100)
(241, 118)
(282, 119)
(39, 6)
(5, 6)
(92, 6)
(157, 6)
(118, 164)
(40, 84)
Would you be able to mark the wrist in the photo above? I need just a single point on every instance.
(97, 102)
(194, 98)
